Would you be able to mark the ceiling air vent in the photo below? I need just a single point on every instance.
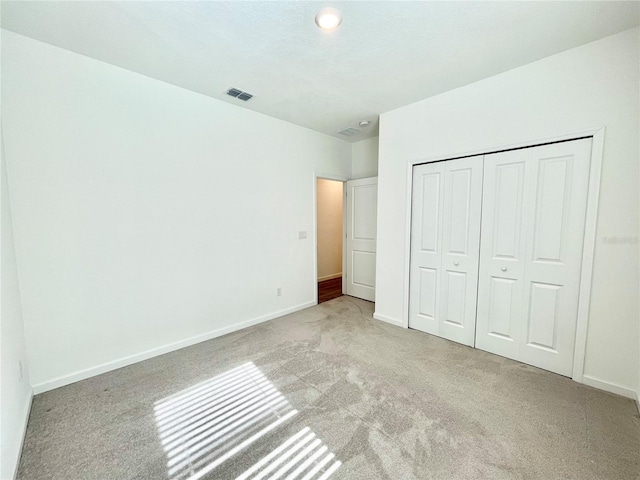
(349, 132)
(239, 94)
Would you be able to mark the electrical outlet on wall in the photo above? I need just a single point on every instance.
(302, 235)
(279, 291)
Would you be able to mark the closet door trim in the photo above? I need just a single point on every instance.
(597, 151)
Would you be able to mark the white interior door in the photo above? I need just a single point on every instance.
(445, 236)
(362, 205)
(533, 217)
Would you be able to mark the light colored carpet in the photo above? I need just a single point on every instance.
(371, 400)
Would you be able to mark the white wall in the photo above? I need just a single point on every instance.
(364, 158)
(15, 391)
(330, 195)
(146, 216)
(593, 85)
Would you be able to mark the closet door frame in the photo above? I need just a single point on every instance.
(586, 274)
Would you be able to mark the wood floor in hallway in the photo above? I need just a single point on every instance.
(329, 289)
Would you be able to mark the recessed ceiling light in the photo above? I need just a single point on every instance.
(364, 123)
(328, 19)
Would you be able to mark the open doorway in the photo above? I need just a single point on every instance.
(330, 238)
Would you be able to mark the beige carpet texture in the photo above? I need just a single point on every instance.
(329, 392)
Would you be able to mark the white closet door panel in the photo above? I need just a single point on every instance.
(505, 197)
(362, 201)
(530, 259)
(444, 248)
(542, 325)
(430, 189)
(557, 210)
(460, 249)
(502, 253)
(427, 291)
(502, 293)
(426, 238)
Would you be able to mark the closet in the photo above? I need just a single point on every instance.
(496, 251)
(445, 235)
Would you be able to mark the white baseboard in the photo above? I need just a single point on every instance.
(609, 387)
(330, 277)
(154, 352)
(384, 318)
(25, 420)
(638, 400)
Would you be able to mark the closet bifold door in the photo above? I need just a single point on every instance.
(445, 235)
(533, 219)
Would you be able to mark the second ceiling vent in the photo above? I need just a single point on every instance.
(349, 132)
(239, 94)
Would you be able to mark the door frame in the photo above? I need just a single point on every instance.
(588, 249)
(337, 178)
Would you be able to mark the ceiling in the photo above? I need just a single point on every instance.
(384, 55)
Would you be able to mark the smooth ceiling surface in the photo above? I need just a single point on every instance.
(383, 56)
